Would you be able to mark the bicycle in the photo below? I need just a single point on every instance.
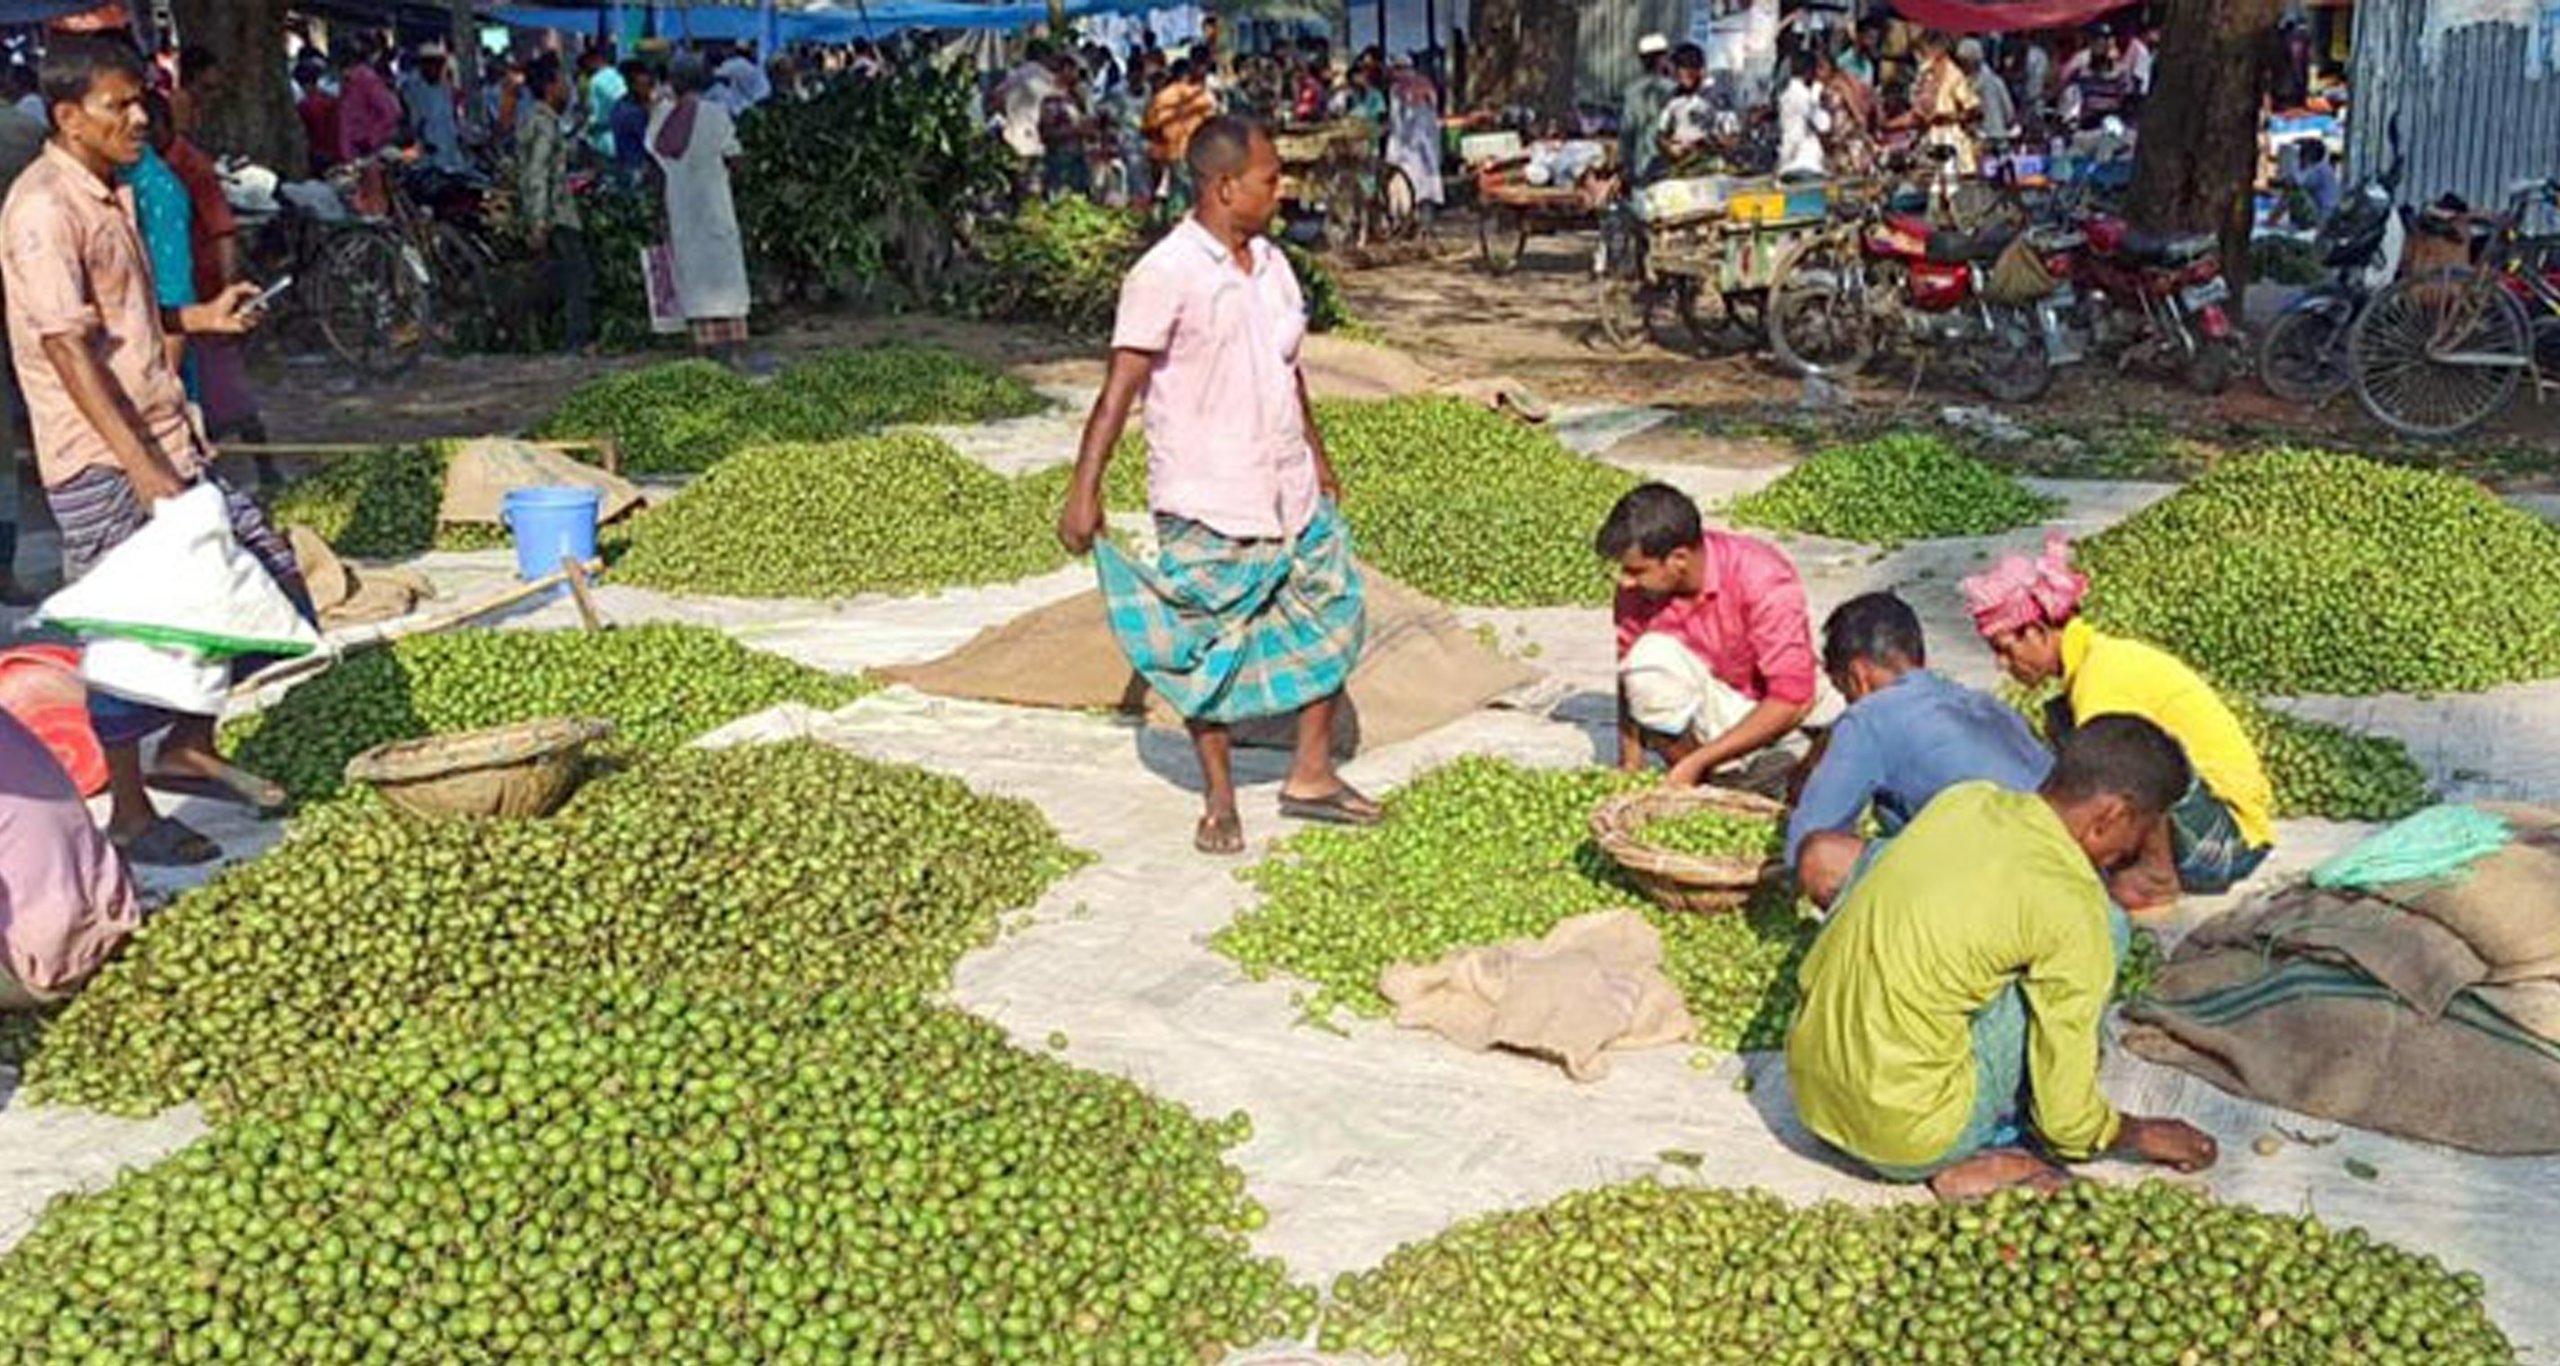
(2439, 354)
(403, 274)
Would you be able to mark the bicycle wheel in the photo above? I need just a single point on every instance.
(2436, 356)
(1346, 212)
(1502, 232)
(466, 303)
(374, 301)
(1819, 319)
(2304, 356)
(1397, 214)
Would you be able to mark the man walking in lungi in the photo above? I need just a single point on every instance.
(1252, 607)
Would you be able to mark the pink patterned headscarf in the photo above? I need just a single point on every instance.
(2019, 592)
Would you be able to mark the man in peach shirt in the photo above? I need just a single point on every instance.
(113, 435)
(1253, 607)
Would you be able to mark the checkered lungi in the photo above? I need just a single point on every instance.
(715, 332)
(2205, 838)
(97, 511)
(1229, 630)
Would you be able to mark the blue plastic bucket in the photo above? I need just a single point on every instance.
(550, 525)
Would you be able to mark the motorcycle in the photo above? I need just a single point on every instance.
(1908, 280)
(2157, 301)
(2304, 358)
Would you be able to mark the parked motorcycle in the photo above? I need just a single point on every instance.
(1894, 277)
(2304, 357)
(2158, 302)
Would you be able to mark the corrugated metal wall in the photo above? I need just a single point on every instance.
(1605, 42)
(2470, 120)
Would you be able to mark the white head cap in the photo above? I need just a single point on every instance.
(1652, 45)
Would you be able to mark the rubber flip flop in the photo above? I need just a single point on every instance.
(1342, 806)
(237, 786)
(1220, 838)
(166, 843)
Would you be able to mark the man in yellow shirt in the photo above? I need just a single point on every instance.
(1959, 985)
(2218, 834)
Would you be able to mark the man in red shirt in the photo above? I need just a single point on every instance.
(1715, 647)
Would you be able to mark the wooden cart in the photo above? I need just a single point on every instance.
(1333, 173)
(1710, 269)
(1509, 209)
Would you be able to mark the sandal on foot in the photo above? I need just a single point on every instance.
(166, 843)
(1219, 835)
(229, 783)
(1342, 806)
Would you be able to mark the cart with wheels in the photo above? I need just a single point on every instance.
(1333, 174)
(1510, 210)
(1707, 255)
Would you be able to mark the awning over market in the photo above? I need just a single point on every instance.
(837, 24)
(1969, 16)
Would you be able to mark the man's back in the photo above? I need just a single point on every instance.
(1987, 888)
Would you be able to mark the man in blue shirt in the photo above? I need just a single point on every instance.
(1907, 736)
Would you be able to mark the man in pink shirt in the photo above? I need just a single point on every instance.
(66, 900)
(1252, 607)
(368, 113)
(1715, 647)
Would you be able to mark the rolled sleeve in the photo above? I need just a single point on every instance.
(1150, 306)
(1782, 639)
(1841, 787)
(2066, 992)
(46, 286)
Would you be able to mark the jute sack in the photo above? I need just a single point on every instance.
(1419, 670)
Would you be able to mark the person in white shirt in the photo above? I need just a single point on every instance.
(742, 83)
(2138, 53)
(1802, 123)
(1999, 124)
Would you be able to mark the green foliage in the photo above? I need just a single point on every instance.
(1470, 506)
(2307, 572)
(636, 1171)
(795, 866)
(845, 186)
(887, 514)
(1327, 308)
(1481, 851)
(677, 418)
(660, 685)
(2153, 1273)
(852, 392)
(1893, 489)
(1060, 262)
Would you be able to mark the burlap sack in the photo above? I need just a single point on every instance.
(1419, 671)
(2506, 906)
(1591, 985)
(477, 478)
(344, 595)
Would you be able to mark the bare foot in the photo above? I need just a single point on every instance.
(1221, 832)
(1997, 1170)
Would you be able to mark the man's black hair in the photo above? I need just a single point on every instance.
(1877, 627)
(72, 66)
(2121, 756)
(1654, 518)
(2313, 152)
(1689, 57)
(1805, 64)
(540, 73)
(1220, 147)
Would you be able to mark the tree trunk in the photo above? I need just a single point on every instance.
(1522, 55)
(466, 53)
(2198, 160)
(250, 111)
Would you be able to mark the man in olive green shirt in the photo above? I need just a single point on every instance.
(1639, 151)
(1967, 969)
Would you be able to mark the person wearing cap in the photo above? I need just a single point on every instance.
(1640, 110)
(2222, 829)
(1715, 651)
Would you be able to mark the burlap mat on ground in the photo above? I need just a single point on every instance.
(2427, 1009)
(1419, 671)
(478, 476)
(344, 595)
(1593, 984)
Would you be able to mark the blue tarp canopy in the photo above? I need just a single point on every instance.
(840, 24)
(41, 11)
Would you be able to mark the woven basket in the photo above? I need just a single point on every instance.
(1681, 882)
(523, 770)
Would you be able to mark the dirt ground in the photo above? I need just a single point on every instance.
(1441, 319)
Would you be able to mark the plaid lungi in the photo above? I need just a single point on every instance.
(2212, 854)
(711, 332)
(1229, 630)
(97, 511)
